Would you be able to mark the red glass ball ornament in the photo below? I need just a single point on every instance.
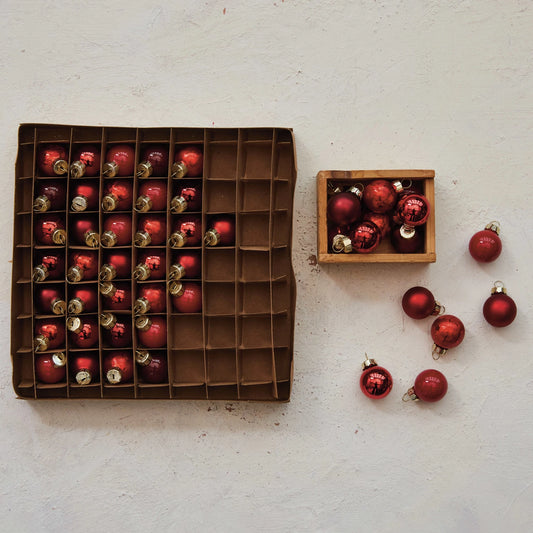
(52, 160)
(50, 230)
(50, 333)
(411, 245)
(413, 210)
(48, 265)
(118, 367)
(152, 332)
(119, 335)
(84, 196)
(84, 368)
(344, 209)
(339, 240)
(155, 371)
(83, 332)
(118, 195)
(50, 195)
(186, 265)
(187, 231)
(117, 264)
(83, 265)
(221, 231)
(151, 297)
(123, 157)
(151, 265)
(86, 161)
(154, 161)
(84, 230)
(381, 220)
(375, 381)
(83, 299)
(499, 309)
(419, 302)
(49, 368)
(151, 230)
(188, 298)
(188, 197)
(365, 237)
(152, 196)
(486, 246)
(188, 161)
(447, 331)
(50, 299)
(380, 195)
(117, 230)
(430, 386)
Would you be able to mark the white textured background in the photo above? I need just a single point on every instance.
(365, 84)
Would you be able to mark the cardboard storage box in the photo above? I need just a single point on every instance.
(240, 346)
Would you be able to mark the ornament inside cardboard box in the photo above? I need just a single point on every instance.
(153, 263)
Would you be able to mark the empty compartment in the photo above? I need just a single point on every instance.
(222, 392)
(283, 360)
(255, 265)
(53, 134)
(22, 336)
(284, 390)
(256, 366)
(221, 367)
(23, 230)
(284, 158)
(24, 167)
(23, 196)
(219, 264)
(23, 268)
(282, 330)
(57, 390)
(23, 374)
(255, 196)
(186, 367)
(153, 392)
(22, 301)
(258, 134)
(256, 332)
(87, 134)
(223, 134)
(254, 230)
(26, 133)
(282, 195)
(221, 332)
(257, 392)
(85, 391)
(119, 391)
(258, 161)
(220, 298)
(281, 296)
(197, 392)
(119, 135)
(188, 135)
(281, 263)
(282, 229)
(161, 135)
(220, 196)
(186, 332)
(255, 298)
(284, 135)
(221, 161)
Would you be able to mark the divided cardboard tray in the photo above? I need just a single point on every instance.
(240, 345)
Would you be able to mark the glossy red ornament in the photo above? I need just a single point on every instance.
(120, 161)
(411, 245)
(50, 195)
(221, 231)
(499, 309)
(380, 195)
(447, 331)
(49, 334)
(430, 386)
(186, 296)
(188, 161)
(153, 366)
(50, 299)
(152, 196)
(187, 232)
(344, 208)
(381, 220)
(84, 195)
(151, 265)
(186, 265)
(86, 161)
(375, 381)
(117, 264)
(154, 161)
(151, 297)
(188, 198)
(118, 367)
(118, 195)
(83, 265)
(48, 265)
(339, 240)
(365, 237)
(486, 246)
(50, 368)
(117, 296)
(117, 330)
(83, 299)
(151, 331)
(413, 210)
(84, 368)
(52, 160)
(419, 302)
(83, 331)
(117, 230)
(84, 230)
(50, 230)
(151, 230)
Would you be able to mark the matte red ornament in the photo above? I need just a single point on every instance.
(151, 230)
(118, 195)
(117, 230)
(188, 161)
(117, 296)
(365, 237)
(419, 302)
(381, 220)
(486, 246)
(83, 331)
(83, 265)
(221, 231)
(117, 330)
(86, 161)
(50, 368)
(189, 197)
(52, 160)
(83, 299)
(380, 195)
(120, 161)
(411, 245)
(151, 265)
(413, 210)
(48, 265)
(50, 299)
(151, 297)
(50, 230)
(50, 195)
(154, 161)
(447, 332)
(118, 367)
(339, 240)
(187, 232)
(344, 208)
(84, 195)
(186, 265)
(499, 309)
(186, 296)
(151, 331)
(375, 381)
(430, 386)
(153, 366)
(84, 368)
(84, 230)
(117, 264)
(152, 196)
(49, 334)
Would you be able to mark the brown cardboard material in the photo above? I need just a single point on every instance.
(240, 347)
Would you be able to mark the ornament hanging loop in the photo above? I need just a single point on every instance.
(437, 352)
(406, 183)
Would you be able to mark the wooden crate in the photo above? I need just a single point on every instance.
(385, 253)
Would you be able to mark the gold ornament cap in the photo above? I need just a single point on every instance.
(59, 359)
(92, 239)
(407, 232)
(110, 169)
(177, 239)
(368, 363)
(410, 395)
(341, 243)
(75, 274)
(41, 204)
(178, 204)
(143, 357)
(59, 236)
(211, 237)
(175, 288)
(40, 273)
(176, 272)
(74, 324)
(107, 272)
(179, 170)
(499, 288)
(397, 186)
(79, 203)
(144, 169)
(77, 169)
(494, 226)
(108, 239)
(59, 307)
(41, 343)
(142, 239)
(75, 306)
(114, 376)
(108, 320)
(141, 306)
(60, 167)
(83, 377)
(143, 204)
(143, 323)
(107, 289)
(354, 189)
(109, 202)
(141, 272)
(333, 189)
